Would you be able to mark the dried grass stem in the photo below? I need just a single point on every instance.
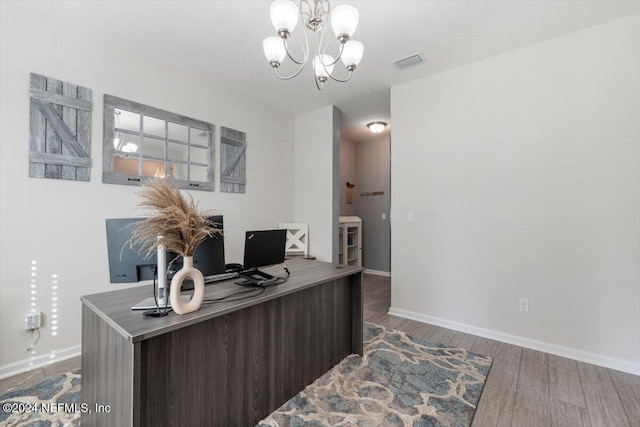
(176, 218)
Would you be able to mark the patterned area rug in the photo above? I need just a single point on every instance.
(60, 396)
(400, 381)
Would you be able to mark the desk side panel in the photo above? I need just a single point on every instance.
(357, 313)
(107, 373)
(238, 368)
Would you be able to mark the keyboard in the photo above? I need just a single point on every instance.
(220, 277)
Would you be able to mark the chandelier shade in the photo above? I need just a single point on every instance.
(352, 53)
(344, 20)
(323, 66)
(284, 15)
(326, 52)
(274, 49)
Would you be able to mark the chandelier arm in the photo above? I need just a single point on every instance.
(286, 49)
(320, 50)
(275, 70)
(334, 62)
(340, 80)
(304, 12)
(319, 9)
(313, 15)
(305, 46)
(337, 59)
(321, 53)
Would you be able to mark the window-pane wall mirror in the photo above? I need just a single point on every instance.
(142, 142)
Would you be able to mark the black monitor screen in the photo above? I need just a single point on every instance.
(265, 247)
(209, 255)
(126, 265)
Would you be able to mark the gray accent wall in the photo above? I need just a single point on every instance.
(367, 164)
(373, 173)
(347, 174)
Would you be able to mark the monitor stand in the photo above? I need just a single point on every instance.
(162, 290)
(256, 278)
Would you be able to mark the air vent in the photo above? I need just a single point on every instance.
(409, 61)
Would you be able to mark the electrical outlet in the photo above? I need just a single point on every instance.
(33, 321)
(523, 304)
(411, 217)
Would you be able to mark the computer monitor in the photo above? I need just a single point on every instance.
(263, 248)
(126, 265)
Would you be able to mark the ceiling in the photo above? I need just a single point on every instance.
(222, 42)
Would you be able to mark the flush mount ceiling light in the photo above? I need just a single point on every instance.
(313, 15)
(376, 127)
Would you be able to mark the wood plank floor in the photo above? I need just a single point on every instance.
(525, 388)
(27, 379)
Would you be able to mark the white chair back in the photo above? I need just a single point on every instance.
(297, 237)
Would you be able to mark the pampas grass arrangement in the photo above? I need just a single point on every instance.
(176, 218)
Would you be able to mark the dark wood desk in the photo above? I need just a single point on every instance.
(228, 364)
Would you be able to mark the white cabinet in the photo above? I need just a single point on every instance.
(350, 241)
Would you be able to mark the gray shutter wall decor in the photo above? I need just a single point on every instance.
(233, 176)
(60, 130)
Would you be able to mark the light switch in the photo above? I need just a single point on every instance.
(411, 217)
(384, 216)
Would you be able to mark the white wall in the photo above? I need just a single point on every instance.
(523, 173)
(317, 148)
(60, 224)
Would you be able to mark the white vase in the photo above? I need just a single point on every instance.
(187, 270)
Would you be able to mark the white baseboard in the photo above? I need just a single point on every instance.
(35, 362)
(377, 272)
(558, 350)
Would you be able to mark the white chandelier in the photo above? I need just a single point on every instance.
(314, 14)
